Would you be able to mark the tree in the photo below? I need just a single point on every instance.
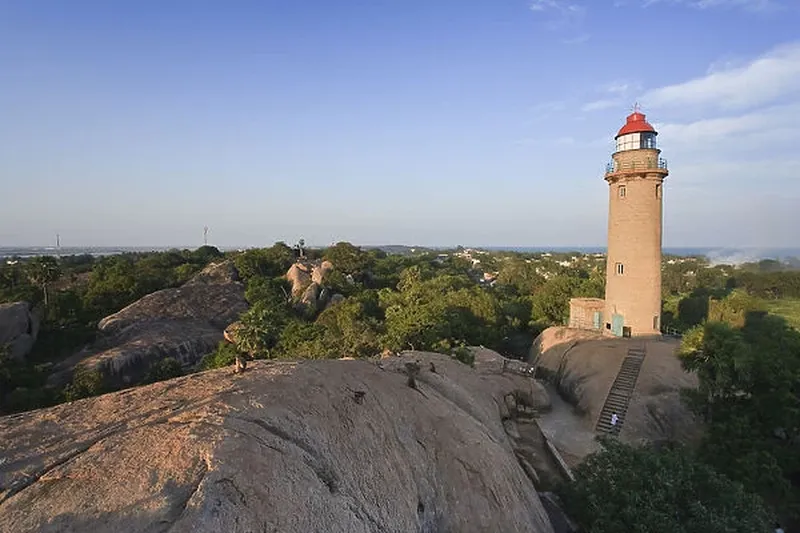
(85, 383)
(225, 354)
(551, 302)
(346, 331)
(748, 396)
(439, 312)
(347, 258)
(42, 271)
(623, 489)
(260, 328)
(520, 274)
(265, 262)
(205, 254)
(167, 368)
(734, 308)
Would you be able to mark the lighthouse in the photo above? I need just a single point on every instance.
(633, 270)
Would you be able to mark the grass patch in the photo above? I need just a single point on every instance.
(787, 308)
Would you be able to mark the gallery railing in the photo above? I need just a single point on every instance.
(651, 164)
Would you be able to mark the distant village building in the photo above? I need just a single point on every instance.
(632, 305)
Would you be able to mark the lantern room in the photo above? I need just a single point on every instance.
(636, 134)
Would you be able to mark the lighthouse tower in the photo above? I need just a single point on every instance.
(633, 272)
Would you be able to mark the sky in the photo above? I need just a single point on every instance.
(420, 122)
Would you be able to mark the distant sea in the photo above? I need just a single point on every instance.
(25, 252)
(718, 255)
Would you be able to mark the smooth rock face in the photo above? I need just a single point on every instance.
(185, 323)
(584, 365)
(316, 446)
(19, 327)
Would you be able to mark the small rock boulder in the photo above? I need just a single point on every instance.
(299, 276)
(19, 327)
(319, 271)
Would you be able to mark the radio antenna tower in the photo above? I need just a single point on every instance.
(205, 235)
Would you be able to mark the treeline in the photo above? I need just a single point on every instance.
(767, 279)
(388, 302)
(70, 295)
(392, 302)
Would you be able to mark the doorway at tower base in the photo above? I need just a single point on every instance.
(586, 313)
(589, 314)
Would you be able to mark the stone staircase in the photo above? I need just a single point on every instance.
(619, 397)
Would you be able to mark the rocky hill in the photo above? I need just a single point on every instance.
(584, 364)
(314, 446)
(184, 323)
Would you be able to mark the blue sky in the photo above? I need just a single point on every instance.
(427, 122)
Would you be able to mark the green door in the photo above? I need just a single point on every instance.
(597, 320)
(617, 321)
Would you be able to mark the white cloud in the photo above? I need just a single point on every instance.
(773, 126)
(749, 5)
(615, 94)
(562, 6)
(579, 39)
(563, 16)
(618, 87)
(730, 136)
(772, 76)
(599, 105)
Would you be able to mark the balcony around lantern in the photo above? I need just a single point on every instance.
(631, 166)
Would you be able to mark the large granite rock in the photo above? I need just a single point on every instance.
(308, 290)
(299, 275)
(19, 327)
(584, 364)
(184, 323)
(315, 446)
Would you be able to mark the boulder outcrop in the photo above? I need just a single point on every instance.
(299, 275)
(184, 323)
(319, 271)
(313, 446)
(583, 365)
(307, 279)
(19, 327)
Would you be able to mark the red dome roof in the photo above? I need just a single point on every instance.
(636, 123)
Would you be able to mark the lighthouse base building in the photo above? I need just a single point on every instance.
(632, 304)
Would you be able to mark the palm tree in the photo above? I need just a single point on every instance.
(42, 271)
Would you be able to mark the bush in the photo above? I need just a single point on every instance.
(224, 355)
(464, 355)
(624, 489)
(165, 369)
(85, 384)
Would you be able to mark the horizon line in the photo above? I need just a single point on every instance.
(433, 247)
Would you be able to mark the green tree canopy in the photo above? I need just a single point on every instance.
(347, 258)
(624, 489)
(748, 395)
(551, 302)
(265, 262)
(43, 271)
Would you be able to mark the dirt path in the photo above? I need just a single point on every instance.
(567, 430)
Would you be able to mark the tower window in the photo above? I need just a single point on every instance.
(658, 190)
(622, 191)
(648, 140)
(620, 269)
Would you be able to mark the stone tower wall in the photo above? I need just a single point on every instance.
(634, 241)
